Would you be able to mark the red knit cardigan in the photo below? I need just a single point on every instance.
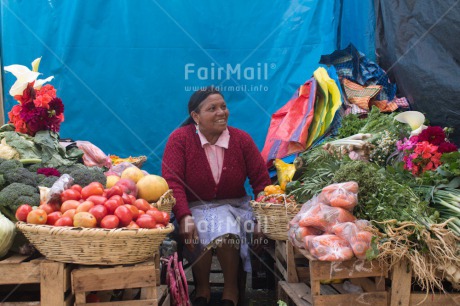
(187, 171)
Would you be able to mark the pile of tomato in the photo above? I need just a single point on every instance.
(93, 206)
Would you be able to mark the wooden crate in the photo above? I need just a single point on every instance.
(101, 278)
(291, 265)
(53, 279)
(302, 289)
(369, 275)
(163, 296)
(401, 295)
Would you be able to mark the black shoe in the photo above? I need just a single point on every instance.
(227, 303)
(200, 301)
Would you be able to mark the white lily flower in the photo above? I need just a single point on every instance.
(24, 76)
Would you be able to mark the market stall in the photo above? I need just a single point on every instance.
(84, 226)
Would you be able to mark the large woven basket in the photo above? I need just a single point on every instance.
(274, 218)
(166, 202)
(95, 246)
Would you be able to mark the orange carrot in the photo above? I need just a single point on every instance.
(360, 243)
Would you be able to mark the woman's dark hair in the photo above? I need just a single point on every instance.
(196, 99)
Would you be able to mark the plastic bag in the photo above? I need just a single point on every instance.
(119, 168)
(63, 183)
(93, 156)
(343, 195)
(324, 217)
(330, 248)
(297, 234)
(359, 240)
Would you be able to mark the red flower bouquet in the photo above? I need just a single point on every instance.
(39, 108)
(423, 152)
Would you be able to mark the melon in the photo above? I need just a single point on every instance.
(133, 173)
(151, 187)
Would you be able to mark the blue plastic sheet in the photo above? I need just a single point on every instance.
(126, 69)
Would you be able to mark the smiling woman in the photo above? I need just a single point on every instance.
(206, 163)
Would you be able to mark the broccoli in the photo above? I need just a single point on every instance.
(10, 165)
(2, 182)
(84, 177)
(70, 169)
(48, 181)
(16, 194)
(21, 175)
(35, 167)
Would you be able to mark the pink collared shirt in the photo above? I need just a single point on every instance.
(215, 153)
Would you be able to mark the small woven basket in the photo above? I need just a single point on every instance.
(274, 218)
(95, 246)
(139, 161)
(165, 202)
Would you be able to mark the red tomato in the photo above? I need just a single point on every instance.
(69, 204)
(119, 199)
(133, 225)
(85, 206)
(157, 215)
(115, 190)
(133, 210)
(22, 212)
(70, 194)
(47, 207)
(142, 204)
(99, 212)
(64, 221)
(166, 217)
(97, 199)
(37, 216)
(53, 217)
(153, 208)
(146, 221)
(76, 187)
(70, 213)
(92, 189)
(127, 199)
(110, 221)
(159, 225)
(141, 212)
(111, 205)
(131, 198)
(124, 214)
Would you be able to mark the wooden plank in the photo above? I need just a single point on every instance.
(20, 303)
(281, 248)
(122, 303)
(167, 301)
(434, 299)
(20, 273)
(298, 293)
(14, 258)
(304, 274)
(281, 269)
(327, 289)
(52, 283)
(401, 284)
(290, 264)
(113, 278)
(346, 269)
(366, 298)
(148, 293)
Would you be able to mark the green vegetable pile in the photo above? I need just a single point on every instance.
(22, 155)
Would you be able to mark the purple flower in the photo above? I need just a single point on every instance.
(447, 147)
(56, 106)
(48, 171)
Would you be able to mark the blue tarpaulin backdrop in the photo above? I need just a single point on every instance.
(126, 69)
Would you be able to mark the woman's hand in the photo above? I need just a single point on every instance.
(188, 233)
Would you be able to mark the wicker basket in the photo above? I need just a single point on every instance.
(95, 246)
(139, 161)
(274, 218)
(166, 202)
